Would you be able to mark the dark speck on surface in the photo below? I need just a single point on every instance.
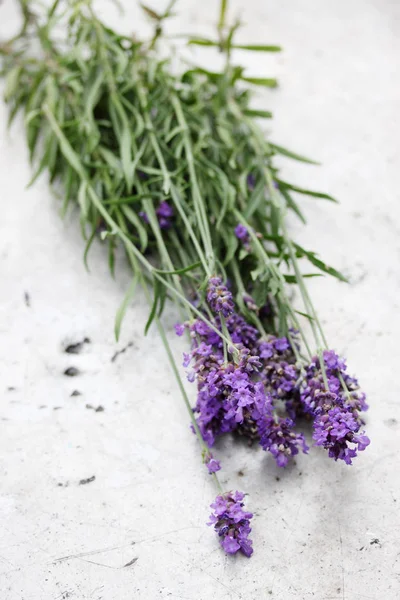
(131, 562)
(27, 299)
(76, 393)
(71, 372)
(240, 473)
(98, 409)
(375, 541)
(11, 388)
(77, 347)
(88, 480)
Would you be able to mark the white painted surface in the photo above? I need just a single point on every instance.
(313, 530)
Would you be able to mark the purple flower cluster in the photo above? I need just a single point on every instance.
(236, 396)
(337, 421)
(280, 373)
(227, 393)
(219, 297)
(232, 523)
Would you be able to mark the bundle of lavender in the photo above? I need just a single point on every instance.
(173, 166)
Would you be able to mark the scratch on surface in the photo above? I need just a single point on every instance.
(198, 568)
(90, 553)
(341, 556)
(287, 541)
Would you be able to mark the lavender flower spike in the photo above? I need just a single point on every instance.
(219, 297)
(232, 523)
(337, 420)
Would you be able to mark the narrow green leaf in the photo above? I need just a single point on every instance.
(150, 12)
(293, 278)
(65, 146)
(319, 263)
(83, 199)
(264, 81)
(261, 114)
(179, 271)
(111, 254)
(303, 314)
(11, 82)
(87, 248)
(126, 156)
(135, 220)
(202, 42)
(257, 47)
(294, 188)
(153, 312)
(119, 317)
(293, 205)
(290, 154)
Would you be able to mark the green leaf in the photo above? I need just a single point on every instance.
(87, 248)
(65, 146)
(293, 278)
(293, 205)
(126, 157)
(119, 317)
(261, 114)
(153, 312)
(319, 263)
(111, 254)
(257, 47)
(202, 42)
(11, 82)
(179, 271)
(294, 188)
(257, 197)
(290, 154)
(150, 12)
(135, 220)
(303, 314)
(264, 81)
(83, 199)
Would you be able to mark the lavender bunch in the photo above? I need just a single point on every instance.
(172, 166)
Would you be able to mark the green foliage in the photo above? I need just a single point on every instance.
(122, 132)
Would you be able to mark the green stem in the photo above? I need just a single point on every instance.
(161, 330)
(242, 292)
(275, 275)
(198, 202)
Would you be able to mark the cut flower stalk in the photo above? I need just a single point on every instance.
(173, 166)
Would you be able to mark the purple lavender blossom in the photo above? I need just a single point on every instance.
(241, 232)
(164, 213)
(179, 329)
(213, 465)
(280, 373)
(337, 421)
(277, 436)
(219, 297)
(232, 523)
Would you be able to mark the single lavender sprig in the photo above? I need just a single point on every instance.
(333, 398)
(232, 523)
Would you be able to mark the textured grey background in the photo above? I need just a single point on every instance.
(315, 527)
